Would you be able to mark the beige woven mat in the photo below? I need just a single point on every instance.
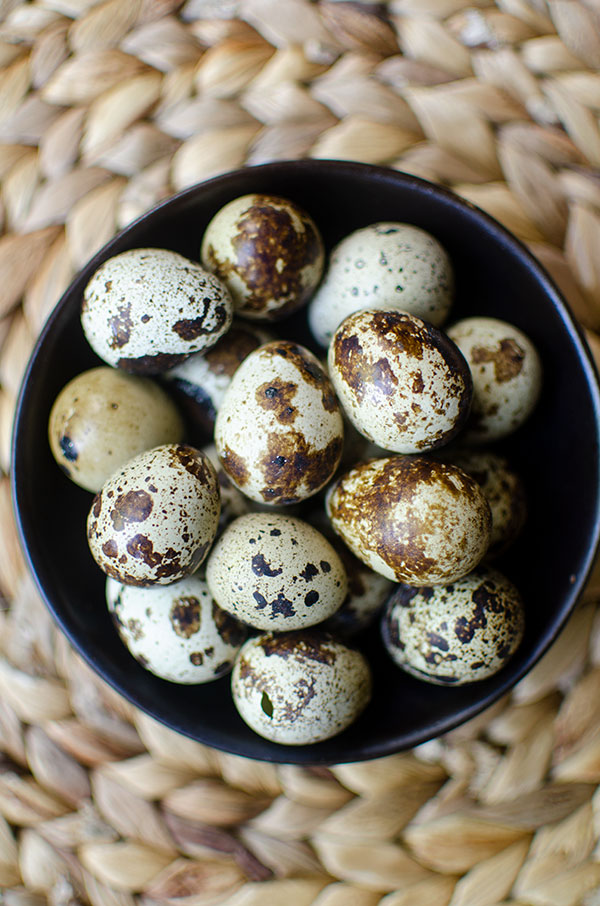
(107, 107)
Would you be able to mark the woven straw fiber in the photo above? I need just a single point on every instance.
(106, 108)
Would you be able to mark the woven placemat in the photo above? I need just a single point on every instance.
(108, 107)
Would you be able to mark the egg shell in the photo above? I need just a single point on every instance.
(504, 491)
(146, 310)
(402, 383)
(412, 519)
(154, 521)
(200, 383)
(276, 572)
(268, 252)
(388, 266)
(177, 631)
(299, 688)
(279, 431)
(103, 418)
(507, 376)
(455, 634)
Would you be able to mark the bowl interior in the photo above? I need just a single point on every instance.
(556, 453)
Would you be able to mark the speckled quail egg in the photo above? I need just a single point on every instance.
(279, 431)
(504, 491)
(298, 688)
(155, 519)
(199, 384)
(146, 310)
(177, 631)
(387, 266)
(275, 572)
(402, 383)
(268, 252)
(412, 519)
(103, 418)
(507, 376)
(458, 633)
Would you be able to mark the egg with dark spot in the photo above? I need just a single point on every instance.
(279, 431)
(507, 376)
(268, 252)
(458, 633)
(385, 266)
(412, 519)
(155, 519)
(199, 384)
(298, 688)
(146, 310)
(177, 631)
(276, 572)
(402, 383)
(103, 418)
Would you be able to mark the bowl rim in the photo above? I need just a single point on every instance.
(569, 323)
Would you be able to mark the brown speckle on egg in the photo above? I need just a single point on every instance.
(507, 376)
(458, 633)
(297, 688)
(185, 616)
(138, 538)
(176, 631)
(403, 384)
(145, 310)
(267, 251)
(279, 431)
(411, 519)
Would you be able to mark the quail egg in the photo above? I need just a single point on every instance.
(387, 266)
(155, 519)
(103, 418)
(507, 376)
(458, 633)
(403, 384)
(503, 490)
(199, 384)
(298, 688)
(279, 431)
(412, 519)
(146, 310)
(275, 572)
(177, 631)
(268, 252)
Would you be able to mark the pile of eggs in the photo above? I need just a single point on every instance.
(331, 489)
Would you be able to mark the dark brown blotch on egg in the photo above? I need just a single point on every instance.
(185, 616)
(310, 645)
(396, 510)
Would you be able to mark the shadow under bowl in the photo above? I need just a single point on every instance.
(555, 452)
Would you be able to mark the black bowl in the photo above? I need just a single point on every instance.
(556, 452)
